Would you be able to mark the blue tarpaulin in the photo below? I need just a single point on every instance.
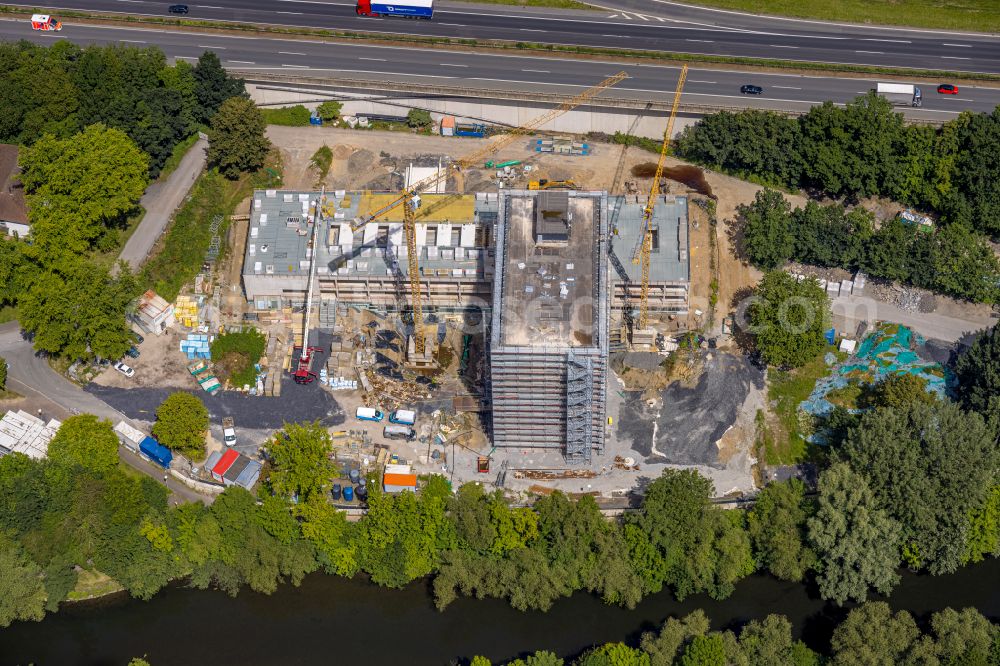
(156, 452)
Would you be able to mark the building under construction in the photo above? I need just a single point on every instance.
(549, 337)
(455, 237)
(548, 268)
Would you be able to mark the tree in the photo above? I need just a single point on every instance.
(22, 593)
(540, 658)
(978, 373)
(181, 423)
(769, 642)
(896, 392)
(300, 461)
(74, 308)
(679, 539)
(911, 458)
(418, 118)
(857, 544)
(3, 373)
(776, 525)
(80, 186)
(329, 111)
(984, 529)
(664, 646)
(614, 654)
(768, 240)
(788, 319)
(214, 86)
(87, 442)
(873, 636)
(704, 651)
(963, 637)
(236, 139)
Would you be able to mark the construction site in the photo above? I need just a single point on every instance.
(523, 299)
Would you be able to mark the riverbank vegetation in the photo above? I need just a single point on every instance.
(888, 495)
(848, 154)
(870, 634)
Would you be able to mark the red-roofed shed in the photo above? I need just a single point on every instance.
(225, 462)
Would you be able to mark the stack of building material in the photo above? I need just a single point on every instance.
(186, 311)
(20, 432)
(153, 313)
(197, 345)
(562, 146)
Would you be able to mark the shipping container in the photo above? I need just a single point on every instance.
(423, 9)
(156, 452)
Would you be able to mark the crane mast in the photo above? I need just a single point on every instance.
(644, 249)
(303, 372)
(407, 196)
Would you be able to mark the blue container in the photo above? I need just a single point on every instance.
(348, 494)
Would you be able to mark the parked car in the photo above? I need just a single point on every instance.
(750, 89)
(947, 89)
(178, 9)
(133, 352)
(124, 369)
(139, 339)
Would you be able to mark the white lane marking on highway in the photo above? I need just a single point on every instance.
(243, 62)
(537, 71)
(782, 46)
(700, 41)
(448, 64)
(615, 36)
(641, 16)
(185, 58)
(376, 59)
(787, 87)
(872, 52)
(219, 48)
(296, 66)
(660, 19)
(613, 16)
(208, 7)
(532, 30)
(954, 58)
(132, 41)
(289, 53)
(694, 81)
(455, 25)
(891, 41)
(964, 46)
(135, 1)
(295, 13)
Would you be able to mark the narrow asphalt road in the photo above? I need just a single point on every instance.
(30, 374)
(160, 201)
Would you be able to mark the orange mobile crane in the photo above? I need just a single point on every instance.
(409, 198)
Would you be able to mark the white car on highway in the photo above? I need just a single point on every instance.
(124, 369)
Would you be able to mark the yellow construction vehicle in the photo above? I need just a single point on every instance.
(551, 185)
(409, 197)
(645, 246)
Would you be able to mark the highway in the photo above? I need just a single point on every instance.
(713, 87)
(658, 25)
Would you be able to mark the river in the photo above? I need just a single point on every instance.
(332, 620)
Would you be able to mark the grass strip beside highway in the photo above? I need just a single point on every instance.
(557, 4)
(622, 55)
(967, 15)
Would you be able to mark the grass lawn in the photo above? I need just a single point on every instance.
(783, 438)
(971, 15)
(91, 584)
(8, 313)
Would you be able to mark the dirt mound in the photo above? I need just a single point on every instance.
(644, 170)
(341, 151)
(691, 176)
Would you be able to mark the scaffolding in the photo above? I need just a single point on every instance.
(549, 375)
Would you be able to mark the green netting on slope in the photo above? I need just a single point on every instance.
(892, 349)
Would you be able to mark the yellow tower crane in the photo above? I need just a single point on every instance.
(409, 197)
(644, 248)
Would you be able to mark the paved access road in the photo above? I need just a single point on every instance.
(488, 70)
(30, 374)
(160, 201)
(658, 25)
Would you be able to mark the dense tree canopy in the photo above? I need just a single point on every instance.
(236, 139)
(978, 373)
(85, 441)
(857, 543)
(788, 319)
(82, 185)
(861, 150)
(300, 461)
(181, 424)
(777, 525)
(929, 466)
